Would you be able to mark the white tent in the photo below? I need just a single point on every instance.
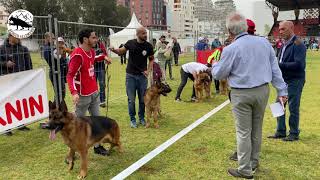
(128, 33)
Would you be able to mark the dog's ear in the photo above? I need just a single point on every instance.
(63, 106)
(52, 105)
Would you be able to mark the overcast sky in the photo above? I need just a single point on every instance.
(244, 6)
(261, 16)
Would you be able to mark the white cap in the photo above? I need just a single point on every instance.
(60, 39)
(201, 38)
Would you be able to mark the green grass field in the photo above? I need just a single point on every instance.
(201, 154)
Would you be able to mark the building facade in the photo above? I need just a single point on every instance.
(150, 13)
(185, 23)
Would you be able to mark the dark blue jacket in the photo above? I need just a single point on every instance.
(294, 60)
(201, 46)
(18, 54)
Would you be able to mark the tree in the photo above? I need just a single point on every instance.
(105, 12)
(93, 11)
(62, 9)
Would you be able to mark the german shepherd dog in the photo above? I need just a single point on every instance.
(202, 82)
(152, 101)
(81, 133)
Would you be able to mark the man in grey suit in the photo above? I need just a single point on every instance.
(249, 63)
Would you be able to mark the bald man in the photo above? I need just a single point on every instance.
(292, 62)
(137, 72)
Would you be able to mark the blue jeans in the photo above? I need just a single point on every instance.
(136, 84)
(294, 95)
(101, 77)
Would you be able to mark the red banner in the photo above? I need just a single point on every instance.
(202, 56)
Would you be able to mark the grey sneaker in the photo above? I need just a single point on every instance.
(133, 125)
(193, 99)
(143, 122)
(103, 104)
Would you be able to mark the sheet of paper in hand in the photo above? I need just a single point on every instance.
(277, 109)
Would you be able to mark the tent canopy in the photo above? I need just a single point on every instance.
(130, 30)
(286, 5)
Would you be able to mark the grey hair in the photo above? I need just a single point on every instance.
(236, 23)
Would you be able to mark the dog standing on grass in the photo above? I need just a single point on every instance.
(80, 133)
(202, 83)
(152, 101)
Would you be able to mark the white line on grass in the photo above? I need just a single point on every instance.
(135, 166)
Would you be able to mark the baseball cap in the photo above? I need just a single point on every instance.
(60, 39)
(251, 26)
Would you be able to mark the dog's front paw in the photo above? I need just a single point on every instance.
(156, 126)
(81, 176)
(147, 125)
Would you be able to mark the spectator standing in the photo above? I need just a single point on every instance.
(250, 65)
(14, 58)
(137, 72)
(292, 62)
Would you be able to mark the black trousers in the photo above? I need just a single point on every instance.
(184, 79)
(176, 58)
(123, 59)
(63, 86)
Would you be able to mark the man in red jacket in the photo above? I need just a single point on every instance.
(82, 80)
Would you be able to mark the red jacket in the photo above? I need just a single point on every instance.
(81, 77)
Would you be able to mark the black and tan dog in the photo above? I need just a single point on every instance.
(152, 101)
(82, 133)
(202, 83)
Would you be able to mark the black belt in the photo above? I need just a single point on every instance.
(252, 87)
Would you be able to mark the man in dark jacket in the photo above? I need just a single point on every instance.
(14, 58)
(292, 62)
(176, 49)
(48, 50)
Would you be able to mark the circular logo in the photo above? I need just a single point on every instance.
(144, 52)
(20, 24)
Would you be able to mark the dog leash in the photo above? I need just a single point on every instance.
(108, 87)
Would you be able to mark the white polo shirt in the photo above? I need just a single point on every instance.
(194, 67)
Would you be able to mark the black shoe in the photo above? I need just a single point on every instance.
(235, 173)
(234, 156)
(254, 169)
(24, 128)
(178, 100)
(8, 133)
(291, 138)
(277, 136)
(101, 150)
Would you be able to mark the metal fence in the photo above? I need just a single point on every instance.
(53, 40)
(20, 55)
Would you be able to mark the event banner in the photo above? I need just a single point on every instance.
(23, 99)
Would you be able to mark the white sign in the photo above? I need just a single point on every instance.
(277, 109)
(23, 99)
(20, 24)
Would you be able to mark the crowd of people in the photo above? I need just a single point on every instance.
(247, 61)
